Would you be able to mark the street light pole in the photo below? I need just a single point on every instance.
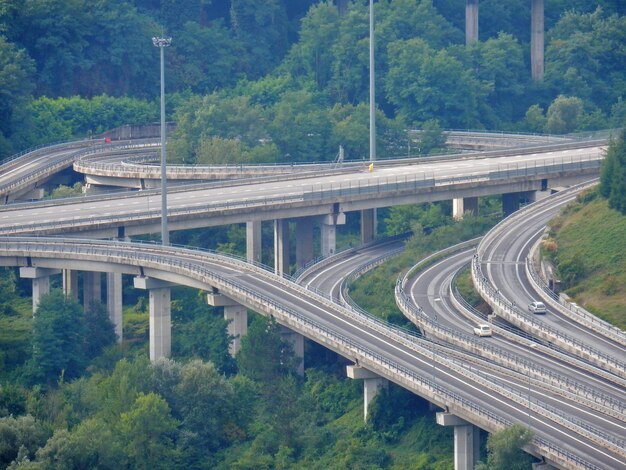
(162, 43)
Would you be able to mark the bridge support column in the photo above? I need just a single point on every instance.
(368, 225)
(92, 288)
(462, 205)
(236, 315)
(70, 283)
(40, 281)
(542, 466)
(329, 232)
(536, 38)
(304, 241)
(511, 201)
(114, 302)
(471, 21)
(281, 246)
(466, 440)
(253, 241)
(160, 315)
(297, 342)
(372, 384)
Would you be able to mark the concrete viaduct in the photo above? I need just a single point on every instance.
(324, 199)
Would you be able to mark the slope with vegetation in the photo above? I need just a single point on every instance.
(268, 81)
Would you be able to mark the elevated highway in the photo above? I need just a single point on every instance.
(478, 397)
(388, 352)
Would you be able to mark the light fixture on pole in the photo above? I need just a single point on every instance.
(162, 43)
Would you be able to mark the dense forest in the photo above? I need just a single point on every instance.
(279, 80)
(266, 81)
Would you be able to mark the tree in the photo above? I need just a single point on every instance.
(58, 338)
(23, 434)
(100, 330)
(149, 429)
(426, 84)
(505, 448)
(264, 355)
(584, 57)
(16, 85)
(563, 115)
(613, 174)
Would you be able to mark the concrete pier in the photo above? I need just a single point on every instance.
(304, 241)
(70, 283)
(466, 440)
(281, 246)
(297, 342)
(328, 234)
(471, 21)
(511, 202)
(159, 293)
(372, 384)
(40, 281)
(253, 241)
(368, 225)
(114, 302)
(92, 288)
(461, 206)
(236, 315)
(537, 39)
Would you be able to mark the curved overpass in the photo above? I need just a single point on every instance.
(487, 405)
(388, 352)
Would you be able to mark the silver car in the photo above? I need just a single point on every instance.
(537, 307)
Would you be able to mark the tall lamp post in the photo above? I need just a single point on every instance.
(162, 43)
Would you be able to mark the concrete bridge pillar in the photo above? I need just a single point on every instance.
(160, 315)
(92, 288)
(297, 342)
(236, 315)
(70, 283)
(471, 21)
(114, 302)
(460, 206)
(253, 241)
(281, 246)
(40, 281)
(368, 225)
(372, 384)
(304, 241)
(511, 202)
(537, 38)
(466, 440)
(329, 232)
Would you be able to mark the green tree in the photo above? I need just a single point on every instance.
(91, 444)
(505, 449)
(426, 84)
(16, 86)
(149, 430)
(264, 355)
(613, 174)
(100, 330)
(58, 338)
(585, 57)
(23, 434)
(563, 115)
(206, 401)
(432, 138)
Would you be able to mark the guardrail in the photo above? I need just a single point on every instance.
(174, 260)
(572, 311)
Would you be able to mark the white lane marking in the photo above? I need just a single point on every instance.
(441, 371)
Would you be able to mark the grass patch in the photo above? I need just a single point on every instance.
(592, 238)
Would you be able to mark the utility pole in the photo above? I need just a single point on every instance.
(162, 43)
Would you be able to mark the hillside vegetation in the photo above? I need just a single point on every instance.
(591, 257)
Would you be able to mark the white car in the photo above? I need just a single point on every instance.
(537, 307)
(482, 330)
